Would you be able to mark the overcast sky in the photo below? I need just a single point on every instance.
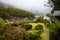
(31, 5)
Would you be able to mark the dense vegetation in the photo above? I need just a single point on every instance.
(55, 27)
(7, 13)
(24, 31)
(56, 4)
(19, 31)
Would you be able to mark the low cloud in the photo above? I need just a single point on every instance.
(36, 6)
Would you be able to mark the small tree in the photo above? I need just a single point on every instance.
(40, 19)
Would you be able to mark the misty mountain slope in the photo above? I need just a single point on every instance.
(35, 10)
(8, 11)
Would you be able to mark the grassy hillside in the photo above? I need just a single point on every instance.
(13, 12)
(9, 11)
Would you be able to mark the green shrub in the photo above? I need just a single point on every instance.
(40, 19)
(15, 24)
(58, 24)
(11, 33)
(2, 23)
(27, 26)
(34, 35)
(39, 27)
(55, 31)
(47, 23)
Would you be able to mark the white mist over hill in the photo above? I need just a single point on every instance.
(36, 6)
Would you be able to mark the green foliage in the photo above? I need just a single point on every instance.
(34, 35)
(40, 19)
(39, 27)
(58, 24)
(7, 13)
(27, 26)
(13, 33)
(47, 23)
(55, 31)
(20, 31)
(2, 23)
(15, 24)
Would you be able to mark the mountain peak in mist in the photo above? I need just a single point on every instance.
(4, 5)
